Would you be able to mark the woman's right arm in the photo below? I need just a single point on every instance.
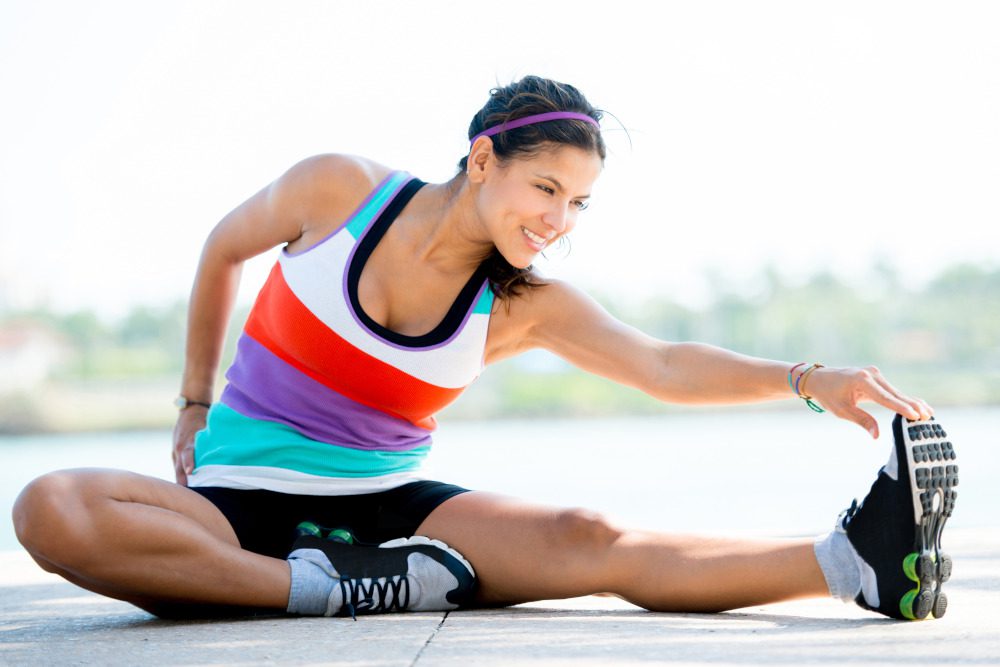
(299, 205)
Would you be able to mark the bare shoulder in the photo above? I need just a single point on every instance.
(534, 317)
(335, 172)
(565, 320)
(321, 191)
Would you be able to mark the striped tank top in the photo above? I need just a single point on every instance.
(322, 400)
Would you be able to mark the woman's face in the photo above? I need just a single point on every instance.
(530, 203)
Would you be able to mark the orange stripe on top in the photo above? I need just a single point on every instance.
(281, 322)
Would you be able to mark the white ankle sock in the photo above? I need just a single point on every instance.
(312, 588)
(840, 568)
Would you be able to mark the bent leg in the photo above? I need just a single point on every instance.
(524, 552)
(143, 540)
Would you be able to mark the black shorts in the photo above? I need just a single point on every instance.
(265, 521)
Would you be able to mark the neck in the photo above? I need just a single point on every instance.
(445, 231)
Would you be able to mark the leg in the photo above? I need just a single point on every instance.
(143, 540)
(524, 552)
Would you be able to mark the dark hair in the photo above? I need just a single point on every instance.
(531, 95)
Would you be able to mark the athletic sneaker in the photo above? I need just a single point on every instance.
(406, 574)
(896, 531)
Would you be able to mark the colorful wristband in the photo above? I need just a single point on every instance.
(800, 385)
(790, 385)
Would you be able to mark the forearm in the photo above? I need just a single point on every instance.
(701, 373)
(212, 298)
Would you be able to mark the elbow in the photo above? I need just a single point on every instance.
(665, 382)
(218, 251)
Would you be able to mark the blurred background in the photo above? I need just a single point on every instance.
(801, 181)
(792, 180)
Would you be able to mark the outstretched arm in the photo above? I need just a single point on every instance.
(571, 324)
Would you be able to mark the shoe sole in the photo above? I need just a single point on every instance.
(933, 475)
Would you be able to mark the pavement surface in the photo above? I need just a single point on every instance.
(47, 621)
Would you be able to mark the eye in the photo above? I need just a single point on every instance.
(580, 205)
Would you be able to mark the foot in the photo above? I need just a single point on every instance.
(896, 531)
(406, 574)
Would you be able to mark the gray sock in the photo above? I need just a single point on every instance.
(840, 568)
(314, 591)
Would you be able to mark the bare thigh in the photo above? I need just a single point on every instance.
(523, 551)
(143, 540)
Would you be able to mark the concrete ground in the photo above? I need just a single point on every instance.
(46, 621)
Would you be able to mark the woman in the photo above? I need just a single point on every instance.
(390, 296)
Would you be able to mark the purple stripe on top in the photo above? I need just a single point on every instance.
(346, 222)
(262, 386)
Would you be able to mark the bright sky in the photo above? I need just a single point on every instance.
(804, 134)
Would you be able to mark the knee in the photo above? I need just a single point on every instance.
(584, 531)
(44, 520)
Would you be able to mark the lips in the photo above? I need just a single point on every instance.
(536, 241)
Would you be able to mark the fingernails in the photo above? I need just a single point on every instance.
(873, 430)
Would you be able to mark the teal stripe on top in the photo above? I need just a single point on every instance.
(232, 439)
(485, 303)
(357, 225)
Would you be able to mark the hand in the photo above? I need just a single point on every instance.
(839, 390)
(190, 421)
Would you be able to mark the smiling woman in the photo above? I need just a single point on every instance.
(301, 490)
(514, 127)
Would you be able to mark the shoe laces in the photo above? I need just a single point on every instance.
(845, 517)
(373, 596)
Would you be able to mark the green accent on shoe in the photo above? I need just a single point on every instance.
(906, 604)
(341, 535)
(308, 528)
(910, 566)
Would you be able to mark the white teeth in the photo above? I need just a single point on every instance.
(534, 237)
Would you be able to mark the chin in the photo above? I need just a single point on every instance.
(518, 262)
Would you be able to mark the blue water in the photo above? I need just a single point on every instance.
(709, 471)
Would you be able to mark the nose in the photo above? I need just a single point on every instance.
(557, 217)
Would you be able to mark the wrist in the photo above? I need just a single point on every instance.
(183, 402)
(798, 376)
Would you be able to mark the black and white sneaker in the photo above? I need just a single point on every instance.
(896, 531)
(406, 574)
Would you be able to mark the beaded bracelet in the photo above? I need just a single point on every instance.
(800, 385)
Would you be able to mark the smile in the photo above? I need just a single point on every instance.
(538, 240)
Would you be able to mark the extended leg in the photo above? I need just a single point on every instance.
(523, 552)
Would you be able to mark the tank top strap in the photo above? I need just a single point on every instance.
(376, 202)
(365, 213)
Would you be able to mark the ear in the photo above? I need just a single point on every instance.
(480, 159)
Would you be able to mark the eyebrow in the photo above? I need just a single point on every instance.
(559, 185)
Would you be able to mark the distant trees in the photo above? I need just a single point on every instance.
(941, 343)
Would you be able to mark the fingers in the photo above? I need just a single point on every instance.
(892, 398)
(883, 397)
(860, 417)
(848, 387)
(188, 424)
(183, 463)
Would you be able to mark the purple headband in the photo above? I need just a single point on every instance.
(537, 118)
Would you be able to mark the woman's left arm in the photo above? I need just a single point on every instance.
(571, 324)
